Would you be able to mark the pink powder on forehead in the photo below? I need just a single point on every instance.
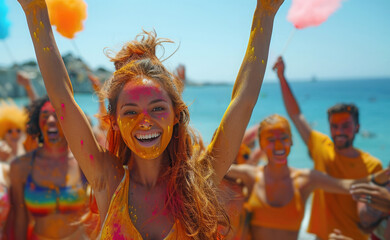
(47, 107)
(139, 91)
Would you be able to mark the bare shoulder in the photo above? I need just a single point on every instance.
(301, 176)
(21, 166)
(22, 162)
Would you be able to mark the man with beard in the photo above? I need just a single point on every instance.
(338, 158)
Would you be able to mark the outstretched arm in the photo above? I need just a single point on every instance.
(291, 103)
(227, 140)
(246, 173)
(335, 185)
(73, 121)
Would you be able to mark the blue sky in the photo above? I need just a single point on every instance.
(213, 34)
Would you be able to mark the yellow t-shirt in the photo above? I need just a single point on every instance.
(330, 211)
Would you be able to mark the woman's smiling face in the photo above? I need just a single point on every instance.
(275, 140)
(145, 117)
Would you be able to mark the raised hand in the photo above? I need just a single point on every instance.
(22, 79)
(95, 82)
(181, 72)
(279, 66)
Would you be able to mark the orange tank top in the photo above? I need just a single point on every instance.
(118, 224)
(287, 217)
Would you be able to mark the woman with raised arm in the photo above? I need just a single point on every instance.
(278, 193)
(152, 183)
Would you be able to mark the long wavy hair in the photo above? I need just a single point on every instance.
(191, 191)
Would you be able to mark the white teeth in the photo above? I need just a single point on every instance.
(279, 152)
(147, 136)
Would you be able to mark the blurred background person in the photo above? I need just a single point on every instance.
(47, 184)
(278, 193)
(335, 156)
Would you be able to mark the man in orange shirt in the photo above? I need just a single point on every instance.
(338, 158)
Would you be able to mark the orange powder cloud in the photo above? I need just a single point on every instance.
(67, 16)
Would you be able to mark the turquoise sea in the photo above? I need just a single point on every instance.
(208, 103)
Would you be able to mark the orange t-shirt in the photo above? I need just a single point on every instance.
(329, 210)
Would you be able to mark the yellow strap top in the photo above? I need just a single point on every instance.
(118, 225)
(287, 217)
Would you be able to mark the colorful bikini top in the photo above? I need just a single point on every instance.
(287, 217)
(118, 224)
(42, 200)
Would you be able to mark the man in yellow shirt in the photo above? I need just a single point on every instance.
(338, 158)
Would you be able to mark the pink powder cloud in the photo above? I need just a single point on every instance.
(306, 13)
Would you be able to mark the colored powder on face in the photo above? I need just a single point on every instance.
(82, 142)
(62, 118)
(91, 157)
(62, 105)
(262, 61)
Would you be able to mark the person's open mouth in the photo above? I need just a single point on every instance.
(148, 139)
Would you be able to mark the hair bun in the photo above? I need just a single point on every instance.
(143, 46)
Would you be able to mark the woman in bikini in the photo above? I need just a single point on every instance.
(279, 192)
(47, 183)
(151, 182)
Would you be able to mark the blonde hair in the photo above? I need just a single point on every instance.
(191, 191)
(11, 116)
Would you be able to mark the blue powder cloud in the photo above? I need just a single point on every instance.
(4, 23)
